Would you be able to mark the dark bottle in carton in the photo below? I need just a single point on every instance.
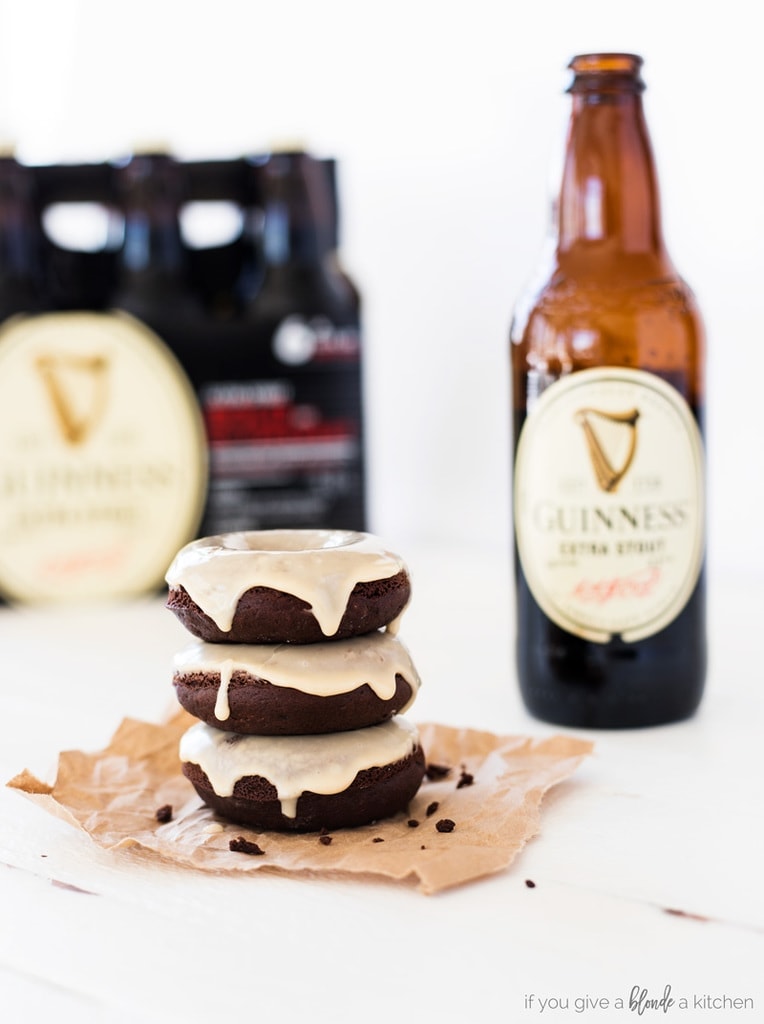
(153, 266)
(21, 250)
(22, 286)
(282, 400)
(102, 452)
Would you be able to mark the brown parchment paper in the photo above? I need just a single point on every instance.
(114, 795)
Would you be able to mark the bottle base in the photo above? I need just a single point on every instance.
(567, 680)
(579, 708)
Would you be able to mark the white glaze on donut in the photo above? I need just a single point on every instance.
(319, 566)
(323, 669)
(323, 764)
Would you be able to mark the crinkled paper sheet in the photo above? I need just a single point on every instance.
(114, 795)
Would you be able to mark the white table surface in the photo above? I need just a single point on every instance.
(649, 864)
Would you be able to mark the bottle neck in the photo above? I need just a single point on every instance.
(609, 207)
(152, 252)
(20, 240)
(297, 211)
(152, 244)
(292, 240)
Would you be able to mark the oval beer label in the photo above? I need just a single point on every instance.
(102, 457)
(609, 503)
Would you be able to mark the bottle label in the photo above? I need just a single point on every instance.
(609, 503)
(285, 448)
(102, 457)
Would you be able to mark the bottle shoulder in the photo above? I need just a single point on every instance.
(564, 300)
(665, 290)
(307, 290)
(573, 324)
(157, 302)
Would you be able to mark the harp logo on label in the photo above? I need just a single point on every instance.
(77, 388)
(610, 436)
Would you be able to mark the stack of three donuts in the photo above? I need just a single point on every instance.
(298, 678)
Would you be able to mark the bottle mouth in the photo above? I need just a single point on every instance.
(598, 72)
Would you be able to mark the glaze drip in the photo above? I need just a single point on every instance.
(323, 670)
(324, 764)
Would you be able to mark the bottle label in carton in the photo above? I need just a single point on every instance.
(609, 503)
(285, 444)
(102, 457)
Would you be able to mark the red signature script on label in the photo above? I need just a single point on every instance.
(638, 585)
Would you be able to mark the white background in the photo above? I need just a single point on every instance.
(447, 119)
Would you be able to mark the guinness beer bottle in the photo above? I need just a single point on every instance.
(20, 252)
(102, 456)
(607, 387)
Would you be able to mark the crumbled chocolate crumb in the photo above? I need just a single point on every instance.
(465, 779)
(437, 771)
(164, 814)
(531, 884)
(445, 825)
(412, 823)
(432, 808)
(377, 839)
(242, 845)
(324, 839)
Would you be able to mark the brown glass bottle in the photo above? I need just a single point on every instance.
(607, 389)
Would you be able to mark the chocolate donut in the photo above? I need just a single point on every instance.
(285, 690)
(305, 783)
(287, 586)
